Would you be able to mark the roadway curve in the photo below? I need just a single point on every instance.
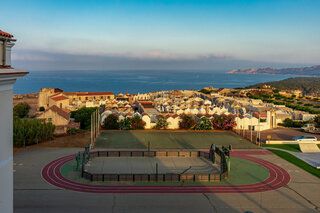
(278, 178)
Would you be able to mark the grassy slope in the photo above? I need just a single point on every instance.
(289, 147)
(308, 84)
(296, 161)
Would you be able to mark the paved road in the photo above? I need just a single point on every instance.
(33, 194)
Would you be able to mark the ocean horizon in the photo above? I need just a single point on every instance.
(136, 81)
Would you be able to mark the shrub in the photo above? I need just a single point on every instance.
(31, 131)
(71, 131)
(187, 122)
(317, 121)
(225, 122)
(308, 104)
(125, 124)
(21, 110)
(137, 122)
(290, 123)
(162, 122)
(111, 122)
(204, 123)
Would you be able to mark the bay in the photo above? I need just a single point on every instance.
(136, 81)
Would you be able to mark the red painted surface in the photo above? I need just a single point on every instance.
(278, 178)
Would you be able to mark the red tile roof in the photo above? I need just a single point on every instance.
(95, 93)
(60, 112)
(4, 34)
(59, 98)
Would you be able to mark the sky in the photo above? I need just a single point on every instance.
(156, 35)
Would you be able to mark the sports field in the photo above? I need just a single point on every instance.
(169, 140)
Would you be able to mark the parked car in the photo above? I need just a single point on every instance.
(305, 138)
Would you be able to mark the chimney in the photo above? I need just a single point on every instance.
(6, 43)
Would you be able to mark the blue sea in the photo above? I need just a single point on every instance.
(135, 81)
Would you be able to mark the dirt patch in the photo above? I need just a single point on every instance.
(67, 141)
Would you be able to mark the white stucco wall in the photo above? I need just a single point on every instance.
(6, 155)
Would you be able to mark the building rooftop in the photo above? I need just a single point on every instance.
(60, 112)
(4, 34)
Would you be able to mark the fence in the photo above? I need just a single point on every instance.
(221, 159)
(250, 135)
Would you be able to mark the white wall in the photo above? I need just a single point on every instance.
(6, 155)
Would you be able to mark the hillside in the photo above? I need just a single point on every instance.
(314, 70)
(309, 85)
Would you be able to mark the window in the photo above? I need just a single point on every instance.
(49, 119)
(86, 98)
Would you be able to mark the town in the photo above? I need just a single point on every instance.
(54, 105)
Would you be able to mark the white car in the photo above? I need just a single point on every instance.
(305, 138)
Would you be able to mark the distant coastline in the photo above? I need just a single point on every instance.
(306, 71)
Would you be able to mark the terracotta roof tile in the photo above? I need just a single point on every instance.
(95, 93)
(4, 34)
(59, 98)
(60, 112)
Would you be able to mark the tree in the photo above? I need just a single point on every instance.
(187, 122)
(111, 122)
(317, 121)
(204, 123)
(162, 122)
(137, 122)
(31, 131)
(21, 110)
(125, 124)
(83, 116)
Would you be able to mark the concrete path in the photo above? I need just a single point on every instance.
(33, 195)
(309, 147)
(313, 159)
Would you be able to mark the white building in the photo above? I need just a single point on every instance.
(8, 76)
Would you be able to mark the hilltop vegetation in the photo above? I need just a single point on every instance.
(314, 70)
(309, 85)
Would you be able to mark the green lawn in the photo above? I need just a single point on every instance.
(296, 161)
(169, 140)
(289, 147)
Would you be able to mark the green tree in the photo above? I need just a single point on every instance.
(317, 121)
(111, 122)
(21, 110)
(162, 122)
(204, 123)
(83, 116)
(31, 131)
(125, 124)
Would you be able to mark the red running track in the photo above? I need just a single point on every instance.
(278, 178)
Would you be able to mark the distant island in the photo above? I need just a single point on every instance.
(307, 85)
(314, 70)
